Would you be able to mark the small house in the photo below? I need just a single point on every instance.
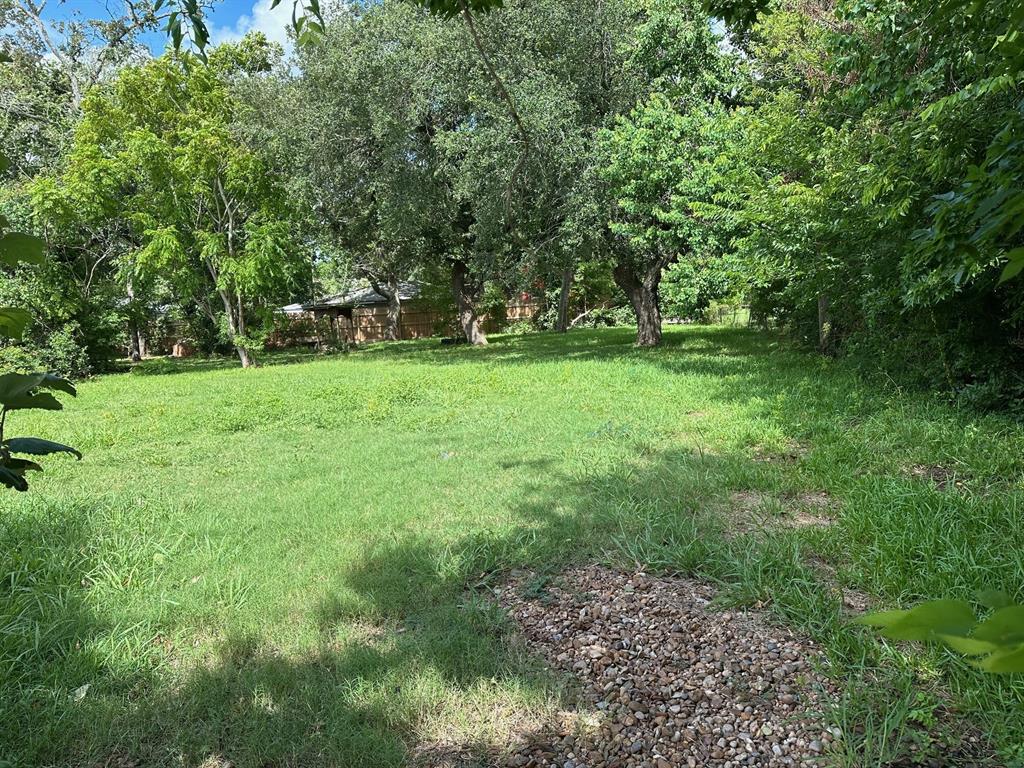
(360, 315)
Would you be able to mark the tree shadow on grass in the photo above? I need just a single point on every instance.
(383, 681)
(608, 344)
(412, 654)
(169, 366)
(56, 670)
(413, 662)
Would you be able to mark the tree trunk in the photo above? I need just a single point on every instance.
(643, 296)
(562, 323)
(467, 292)
(135, 343)
(648, 318)
(236, 327)
(391, 292)
(134, 337)
(247, 358)
(824, 325)
(393, 332)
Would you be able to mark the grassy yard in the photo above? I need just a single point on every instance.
(288, 566)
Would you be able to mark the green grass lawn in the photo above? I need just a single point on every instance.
(288, 566)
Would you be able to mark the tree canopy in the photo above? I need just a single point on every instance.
(850, 171)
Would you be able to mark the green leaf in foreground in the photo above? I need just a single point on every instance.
(13, 322)
(18, 247)
(12, 479)
(1004, 627)
(997, 641)
(1005, 662)
(39, 401)
(35, 446)
(1014, 265)
(14, 386)
(940, 617)
(21, 391)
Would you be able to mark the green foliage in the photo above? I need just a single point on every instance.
(540, 452)
(690, 287)
(995, 644)
(737, 13)
(24, 391)
(157, 157)
(451, 8)
(659, 169)
(873, 162)
(16, 248)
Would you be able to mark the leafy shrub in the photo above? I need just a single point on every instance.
(688, 289)
(521, 327)
(604, 317)
(66, 354)
(18, 359)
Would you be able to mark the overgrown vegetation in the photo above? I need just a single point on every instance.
(848, 170)
(323, 600)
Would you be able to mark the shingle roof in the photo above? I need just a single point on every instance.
(360, 295)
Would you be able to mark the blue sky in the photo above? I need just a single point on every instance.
(228, 19)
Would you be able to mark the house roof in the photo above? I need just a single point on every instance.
(360, 295)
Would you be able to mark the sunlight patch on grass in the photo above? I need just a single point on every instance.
(291, 565)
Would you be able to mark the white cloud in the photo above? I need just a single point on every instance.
(272, 23)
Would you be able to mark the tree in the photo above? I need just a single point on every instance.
(657, 161)
(564, 66)
(74, 299)
(367, 107)
(157, 151)
(84, 51)
(874, 184)
(410, 166)
(658, 166)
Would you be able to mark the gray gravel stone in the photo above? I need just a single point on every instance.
(668, 680)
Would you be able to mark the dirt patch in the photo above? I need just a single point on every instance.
(941, 477)
(758, 512)
(470, 731)
(853, 600)
(791, 452)
(667, 680)
(818, 500)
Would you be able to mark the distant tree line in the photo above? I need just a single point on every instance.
(850, 170)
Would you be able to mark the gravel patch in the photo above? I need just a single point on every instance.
(667, 680)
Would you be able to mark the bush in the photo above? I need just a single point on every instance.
(688, 288)
(65, 354)
(18, 359)
(604, 317)
(62, 352)
(521, 328)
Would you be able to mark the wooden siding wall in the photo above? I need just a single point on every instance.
(371, 323)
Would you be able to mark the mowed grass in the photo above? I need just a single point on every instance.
(289, 566)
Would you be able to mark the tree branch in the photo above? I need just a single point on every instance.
(503, 93)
